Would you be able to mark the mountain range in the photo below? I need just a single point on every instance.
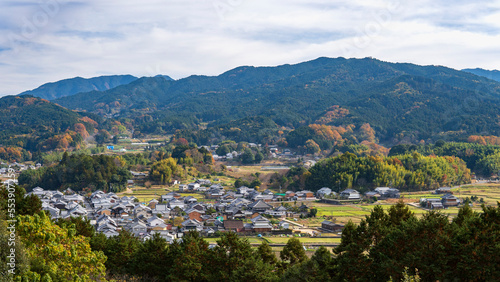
(401, 102)
(397, 99)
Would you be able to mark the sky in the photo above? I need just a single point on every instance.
(48, 40)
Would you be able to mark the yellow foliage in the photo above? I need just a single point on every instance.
(58, 252)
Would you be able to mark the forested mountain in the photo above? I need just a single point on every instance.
(31, 123)
(401, 102)
(491, 74)
(76, 85)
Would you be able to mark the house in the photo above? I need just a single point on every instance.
(155, 221)
(448, 200)
(433, 203)
(195, 214)
(176, 203)
(110, 233)
(323, 192)
(350, 194)
(54, 212)
(261, 224)
(204, 182)
(193, 186)
(137, 228)
(190, 200)
(191, 225)
(183, 188)
(372, 194)
(169, 236)
(259, 206)
(331, 226)
(305, 195)
(289, 195)
(152, 204)
(161, 209)
(443, 190)
(234, 225)
(103, 211)
(386, 192)
(284, 225)
(277, 212)
(214, 194)
(169, 196)
(138, 175)
(202, 188)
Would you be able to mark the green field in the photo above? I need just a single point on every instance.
(356, 212)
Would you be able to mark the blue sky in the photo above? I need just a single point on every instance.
(49, 40)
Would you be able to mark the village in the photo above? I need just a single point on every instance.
(243, 210)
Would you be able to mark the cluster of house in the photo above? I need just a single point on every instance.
(8, 168)
(61, 204)
(273, 152)
(351, 194)
(445, 201)
(245, 210)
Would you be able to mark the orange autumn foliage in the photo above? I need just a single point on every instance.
(484, 140)
(335, 112)
(327, 132)
(88, 120)
(80, 128)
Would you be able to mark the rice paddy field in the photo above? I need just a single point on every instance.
(489, 192)
(145, 195)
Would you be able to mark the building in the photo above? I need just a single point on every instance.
(350, 194)
(234, 225)
(261, 224)
(448, 200)
(323, 192)
(331, 226)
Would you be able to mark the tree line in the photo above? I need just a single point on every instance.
(409, 172)
(481, 158)
(79, 172)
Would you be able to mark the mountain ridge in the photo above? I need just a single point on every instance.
(491, 74)
(71, 86)
(402, 102)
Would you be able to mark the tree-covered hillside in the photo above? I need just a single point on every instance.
(33, 124)
(491, 74)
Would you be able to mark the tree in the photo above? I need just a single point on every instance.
(318, 268)
(312, 147)
(24, 205)
(293, 252)
(21, 264)
(102, 137)
(266, 253)
(248, 157)
(162, 171)
(223, 150)
(58, 252)
(149, 260)
(191, 259)
(120, 251)
(80, 224)
(259, 157)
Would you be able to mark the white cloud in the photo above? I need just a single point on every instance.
(55, 39)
